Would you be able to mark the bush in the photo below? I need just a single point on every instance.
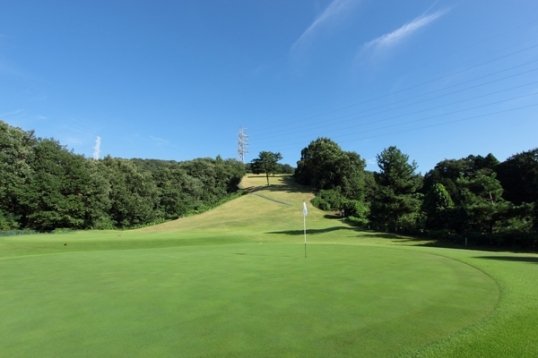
(320, 204)
(329, 200)
(357, 212)
(8, 222)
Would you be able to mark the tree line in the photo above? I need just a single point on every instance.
(44, 186)
(478, 198)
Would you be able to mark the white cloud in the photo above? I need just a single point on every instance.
(332, 13)
(396, 36)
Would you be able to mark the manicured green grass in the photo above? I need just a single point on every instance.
(233, 282)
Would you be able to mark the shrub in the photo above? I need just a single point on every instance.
(329, 200)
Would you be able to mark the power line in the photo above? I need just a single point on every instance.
(437, 107)
(410, 87)
(431, 117)
(450, 122)
(332, 123)
(497, 61)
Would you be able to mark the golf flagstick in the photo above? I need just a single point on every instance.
(305, 212)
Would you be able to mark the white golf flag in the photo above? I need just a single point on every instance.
(305, 210)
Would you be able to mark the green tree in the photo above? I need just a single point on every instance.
(55, 192)
(519, 177)
(396, 197)
(16, 154)
(438, 207)
(284, 169)
(481, 198)
(448, 171)
(317, 166)
(370, 186)
(133, 193)
(204, 170)
(325, 166)
(96, 198)
(192, 185)
(266, 163)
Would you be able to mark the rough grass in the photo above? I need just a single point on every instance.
(233, 282)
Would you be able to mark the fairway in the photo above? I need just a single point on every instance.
(233, 282)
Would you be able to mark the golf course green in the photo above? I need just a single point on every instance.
(234, 282)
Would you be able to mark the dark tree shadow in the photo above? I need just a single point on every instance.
(333, 217)
(289, 185)
(530, 259)
(397, 239)
(445, 244)
(311, 231)
(384, 235)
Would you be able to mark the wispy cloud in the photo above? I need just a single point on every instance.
(74, 141)
(159, 140)
(265, 67)
(16, 113)
(10, 70)
(392, 38)
(332, 13)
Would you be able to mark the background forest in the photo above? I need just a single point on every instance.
(478, 198)
(45, 187)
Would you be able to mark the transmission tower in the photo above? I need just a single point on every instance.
(242, 145)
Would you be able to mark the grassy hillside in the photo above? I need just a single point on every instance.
(233, 282)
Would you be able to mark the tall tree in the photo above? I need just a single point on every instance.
(519, 177)
(325, 166)
(397, 185)
(481, 198)
(437, 205)
(96, 198)
(54, 195)
(266, 163)
(133, 193)
(448, 171)
(16, 153)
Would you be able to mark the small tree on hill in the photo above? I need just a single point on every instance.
(266, 163)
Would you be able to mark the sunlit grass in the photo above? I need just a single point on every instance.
(234, 282)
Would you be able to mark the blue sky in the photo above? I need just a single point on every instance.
(176, 79)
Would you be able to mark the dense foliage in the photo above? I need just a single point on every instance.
(337, 175)
(397, 201)
(476, 197)
(44, 186)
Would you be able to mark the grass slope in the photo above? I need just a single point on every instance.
(233, 282)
